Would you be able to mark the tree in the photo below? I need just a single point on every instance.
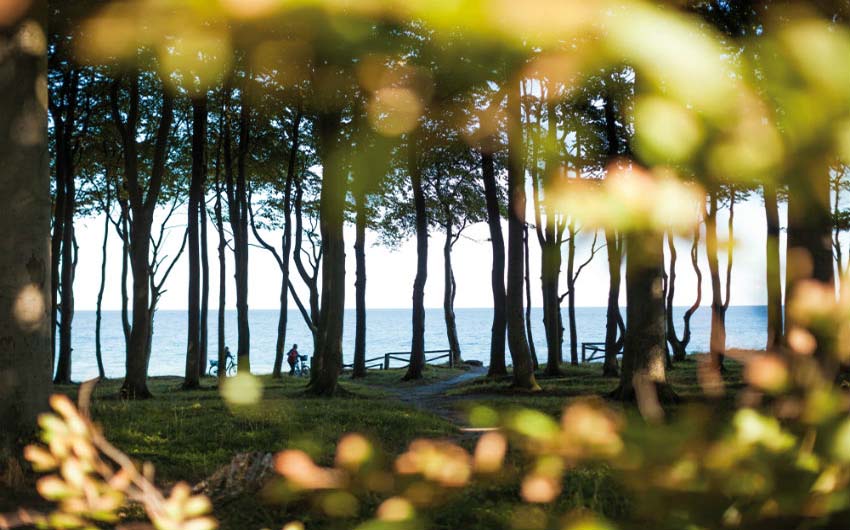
(523, 368)
(417, 348)
(143, 196)
(680, 345)
(773, 280)
(25, 292)
(197, 208)
(719, 303)
(498, 330)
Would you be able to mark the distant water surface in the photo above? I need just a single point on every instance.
(387, 330)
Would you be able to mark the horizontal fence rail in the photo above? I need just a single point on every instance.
(383, 362)
(597, 351)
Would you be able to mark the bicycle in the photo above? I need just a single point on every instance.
(302, 369)
(229, 370)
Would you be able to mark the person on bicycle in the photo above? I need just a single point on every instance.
(292, 359)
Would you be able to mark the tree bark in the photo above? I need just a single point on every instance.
(497, 277)
(417, 348)
(142, 204)
(64, 118)
(523, 368)
(449, 291)
(237, 198)
(359, 367)
(809, 245)
(644, 362)
(327, 359)
(571, 293)
(203, 346)
(534, 359)
(614, 245)
(222, 275)
(196, 196)
(99, 307)
(680, 346)
(772, 269)
(25, 284)
(717, 341)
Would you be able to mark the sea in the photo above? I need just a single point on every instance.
(387, 330)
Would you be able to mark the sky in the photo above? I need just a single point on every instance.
(390, 273)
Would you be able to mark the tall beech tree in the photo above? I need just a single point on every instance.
(523, 367)
(327, 358)
(143, 196)
(237, 210)
(644, 347)
(64, 110)
(773, 279)
(25, 290)
(678, 345)
(197, 209)
(417, 347)
(719, 301)
(498, 329)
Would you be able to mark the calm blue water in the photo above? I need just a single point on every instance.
(387, 330)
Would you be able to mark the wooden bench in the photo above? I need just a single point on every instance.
(597, 351)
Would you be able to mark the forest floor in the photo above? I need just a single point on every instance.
(188, 435)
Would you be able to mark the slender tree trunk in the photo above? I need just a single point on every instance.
(644, 363)
(772, 269)
(239, 220)
(497, 277)
(203, 352)
(196, 195)
(98, 353)
(611, 368)
(571, 294)
(449, 290)
(222, 281)
(717, 341)
(523, 368)
(680, 345)
(327, 360)
(25, 284)
(143, 205)
(125, 270)
(56, 254)
(417, 348)
(531, 346)
(550, 267)
(359, 367)
(63, 366)
(809, 246)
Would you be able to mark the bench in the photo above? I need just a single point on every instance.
(597, 351)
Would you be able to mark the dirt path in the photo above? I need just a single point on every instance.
(432, 398)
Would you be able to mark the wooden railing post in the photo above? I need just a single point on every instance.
(387, 361)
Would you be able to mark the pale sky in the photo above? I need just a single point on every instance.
(390, 273)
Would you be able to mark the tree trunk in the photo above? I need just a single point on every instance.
(64, 118)
(99, 308)
(680, 345)
(531, 346)
(571, 294)
(142, 205)
(523, 368)
(203, 346)
(772, 269)
(498, 330)
(125, 270)
(449, 290)
(239, 219)
(644, 363)
(717, 341)
(222, 280)
(417, 348)
(550, 259)
(610, 368)
(196, 197)
(25, 284)
(359, 367)
(809, 250)
(327, 359)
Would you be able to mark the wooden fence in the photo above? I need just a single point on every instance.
(383, 362)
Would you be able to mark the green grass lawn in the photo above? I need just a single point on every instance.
(188, 435)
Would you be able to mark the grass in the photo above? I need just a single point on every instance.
(188, 435)
(586, 380)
